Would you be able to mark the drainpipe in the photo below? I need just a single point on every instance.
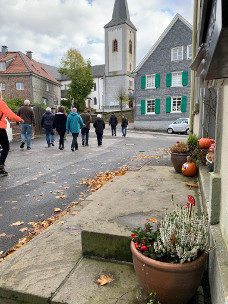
(194, 37)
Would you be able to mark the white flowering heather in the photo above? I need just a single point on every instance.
(181, 237)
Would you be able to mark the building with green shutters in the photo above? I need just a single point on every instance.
(163, 78)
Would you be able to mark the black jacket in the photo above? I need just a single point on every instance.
(124, 122)
(47, 120)
(113, 120)
(60, 122)
(99, 125)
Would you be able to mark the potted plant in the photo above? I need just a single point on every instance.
(169, 256)
(179, 153)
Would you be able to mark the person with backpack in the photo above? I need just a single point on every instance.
(59, 124)
(113, 123)
(124, 125)
(99, 126)
(47, 121)
(4, 141)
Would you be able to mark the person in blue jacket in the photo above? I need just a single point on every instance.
(73, 125)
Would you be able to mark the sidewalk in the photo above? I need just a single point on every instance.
(62, 264)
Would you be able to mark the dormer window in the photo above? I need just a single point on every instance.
(130, 47)
(115, 45)
(2, 66)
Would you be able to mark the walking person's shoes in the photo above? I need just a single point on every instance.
(72, 149)
(22, 144)
(49, 145)
(83, 142)
(28, 148)
(3, 171)
(52, 143)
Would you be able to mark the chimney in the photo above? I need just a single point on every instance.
(29, 54)
(4, 50)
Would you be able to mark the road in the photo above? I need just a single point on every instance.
(37, 178)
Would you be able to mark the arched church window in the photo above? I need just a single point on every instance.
(115, 45)
(130, 46)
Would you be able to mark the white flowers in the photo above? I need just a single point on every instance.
(182, 236)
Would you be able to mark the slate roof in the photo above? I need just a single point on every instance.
(98, 70)
(19, 63)
(120, 15)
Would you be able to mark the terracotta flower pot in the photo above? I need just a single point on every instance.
(178, 159)
(173, 283)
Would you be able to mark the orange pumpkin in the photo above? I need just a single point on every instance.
(189, 169)
(205, 143)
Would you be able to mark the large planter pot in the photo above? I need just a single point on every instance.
(173, 283)
(178, 159)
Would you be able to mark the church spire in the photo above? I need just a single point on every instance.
(120, 15)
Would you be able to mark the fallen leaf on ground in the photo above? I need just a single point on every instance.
(66, 187)
(61, 223)
(191, 185)
(17, 224)
(2, 234)
(1, 214)
(42, 194)
(1, 252)
(57, 210)
(103, 280)
(153, 220)
(74, 213)
(23, 229)
(75, 203)
(10, 202)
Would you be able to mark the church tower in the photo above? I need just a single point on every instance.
(120, 54)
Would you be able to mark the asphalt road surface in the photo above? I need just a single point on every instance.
(38, 177)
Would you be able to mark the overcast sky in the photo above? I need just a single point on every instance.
(49, 28)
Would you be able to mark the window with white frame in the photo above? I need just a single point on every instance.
(2, 66)
(150, 106)
(20, 86)
(150, 81)
(189, 51)
(2, 86)
(176, 104)
(176, 79)
(47, 87)
(177, 53)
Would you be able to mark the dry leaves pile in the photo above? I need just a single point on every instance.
(142, 156)
(102, 178)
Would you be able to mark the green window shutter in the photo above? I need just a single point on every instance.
(157, 80)
(168, 80)
(157, 106)
(168, 104)
(143, 82)
(183, 103)
(185, 78)
(143, 106)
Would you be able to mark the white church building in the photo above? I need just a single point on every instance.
(115, 76)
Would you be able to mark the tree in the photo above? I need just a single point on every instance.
(79, 71)
(123, 99)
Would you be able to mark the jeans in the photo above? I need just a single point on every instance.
(74, 141)
(124, 131)
(113, 128)
(26, 128)
(48, 132)
(85, 135)
(4, 142)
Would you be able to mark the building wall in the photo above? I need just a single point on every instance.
(160, 63)
(98, 94)
(40, 93)
(130, 58)
(10, 86)
(115, 59)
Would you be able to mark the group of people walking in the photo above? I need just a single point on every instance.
(50, 122)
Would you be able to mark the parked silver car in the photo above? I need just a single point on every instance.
(181, 125)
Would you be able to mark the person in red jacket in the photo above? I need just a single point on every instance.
(4, 142)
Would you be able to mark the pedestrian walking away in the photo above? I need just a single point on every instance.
(124, 125)
(59, 125)
(99, 126)
(85, 129)
(74, 124)
(113, 122)
(27, 114)
(4, 141)
(47, 121)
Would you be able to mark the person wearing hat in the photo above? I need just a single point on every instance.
(4, 141)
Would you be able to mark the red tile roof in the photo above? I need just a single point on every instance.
(23, 64)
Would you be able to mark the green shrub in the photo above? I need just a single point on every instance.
(15, 103)
(192, 140)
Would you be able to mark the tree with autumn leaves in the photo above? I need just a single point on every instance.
(79, 71)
